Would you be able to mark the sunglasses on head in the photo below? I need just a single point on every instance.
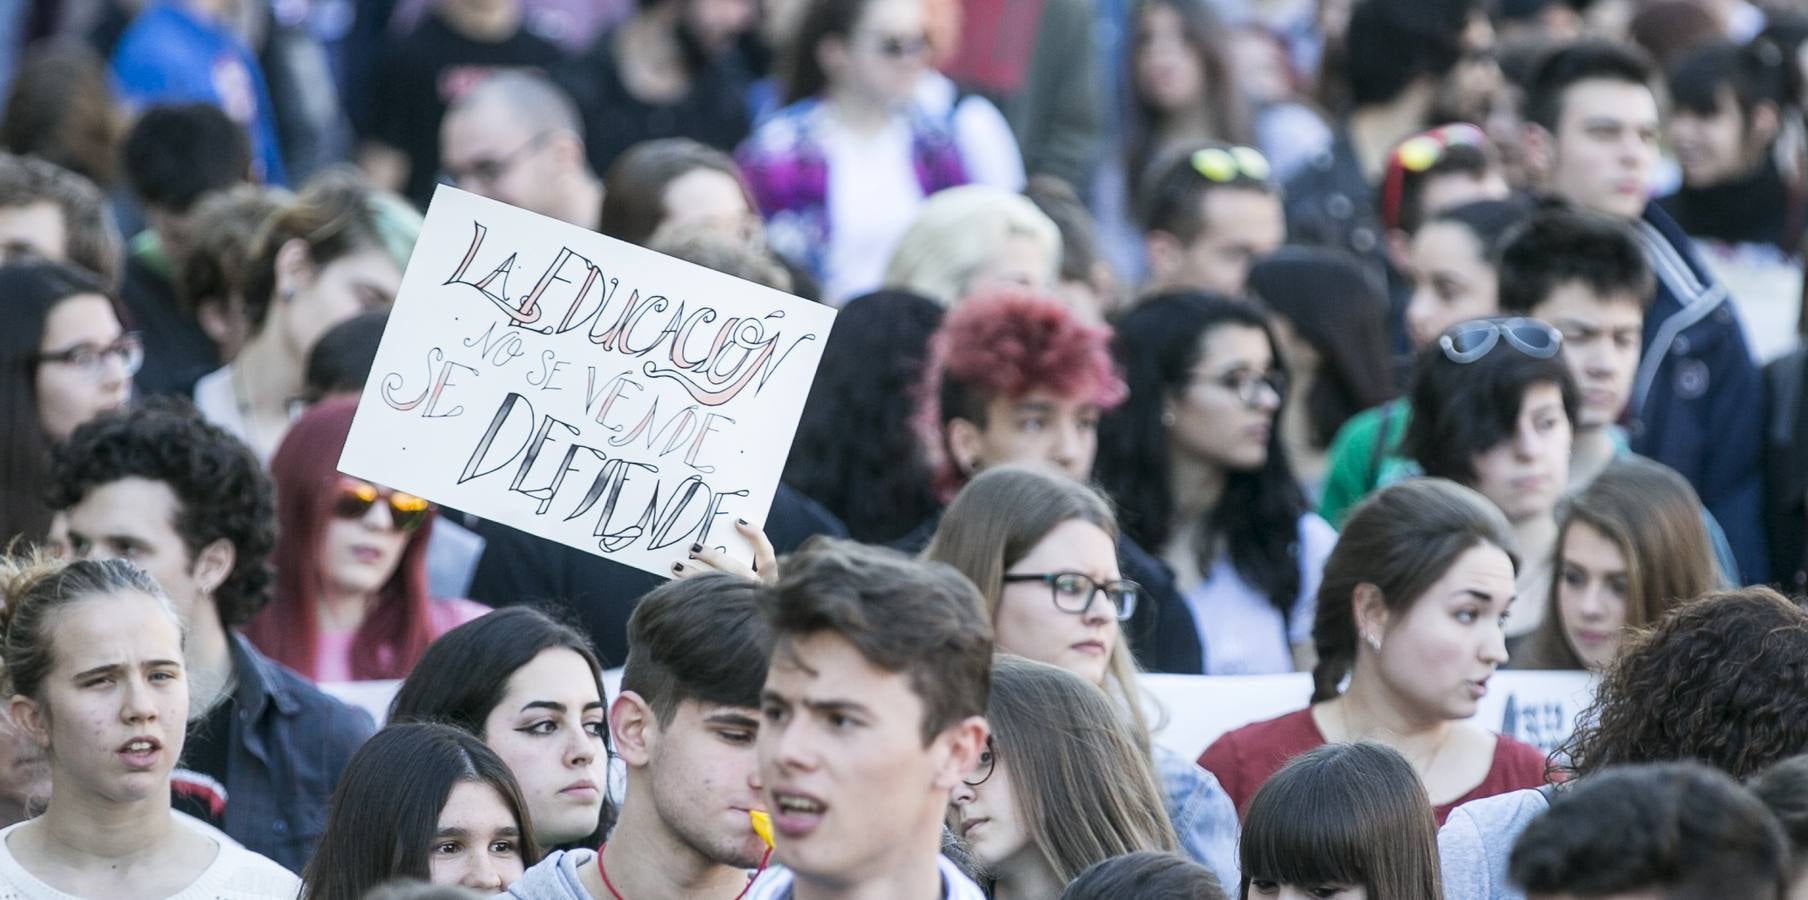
(355, 498)
(1471, 341)
(1417, 154)
(1223, 165)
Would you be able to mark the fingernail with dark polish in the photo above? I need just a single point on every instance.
(696, 548)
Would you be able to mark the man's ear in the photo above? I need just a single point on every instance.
(212, 565)
(965, 741)
(966, 446)
(27, 718)
(633, 729)
(1164, 252)
(1540, 151)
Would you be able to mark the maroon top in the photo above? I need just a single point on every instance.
(1244, 758)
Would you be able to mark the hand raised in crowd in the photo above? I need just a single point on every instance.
(704, 559)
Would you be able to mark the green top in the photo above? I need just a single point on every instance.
(1362, 459)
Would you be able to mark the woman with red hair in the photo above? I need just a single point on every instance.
(351, 598)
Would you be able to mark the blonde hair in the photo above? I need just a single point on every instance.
(35, 587)
(997, 519)
(957, 231)
(1084, 788)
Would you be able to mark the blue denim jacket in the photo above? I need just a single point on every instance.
(289, 742)
(1205, 819)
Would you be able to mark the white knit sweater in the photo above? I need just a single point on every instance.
(236, 874)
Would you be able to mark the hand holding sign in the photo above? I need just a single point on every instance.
(586, 390)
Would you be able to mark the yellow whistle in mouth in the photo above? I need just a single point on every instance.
(762, 825)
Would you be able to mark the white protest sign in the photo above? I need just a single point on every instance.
(583, 389)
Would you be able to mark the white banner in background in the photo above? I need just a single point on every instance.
(583, 389)
(1538, 707)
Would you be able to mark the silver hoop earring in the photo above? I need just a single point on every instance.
(1374, 642)
(1167, 418)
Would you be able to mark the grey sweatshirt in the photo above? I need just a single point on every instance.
(553, 878)
(1478, 838)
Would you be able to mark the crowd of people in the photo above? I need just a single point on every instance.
(1390, 342)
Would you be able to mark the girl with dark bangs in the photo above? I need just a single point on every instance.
(1343, 822)
(422, 801)
(1197, 466)
(351, 600)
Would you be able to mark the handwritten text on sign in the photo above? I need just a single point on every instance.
(583, 389)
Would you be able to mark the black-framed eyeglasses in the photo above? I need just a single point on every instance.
(128, 349)
(988, 759)
(1470, 341)
(1251, 388)
(1074, 592)
(489, 171)
(1223, 165)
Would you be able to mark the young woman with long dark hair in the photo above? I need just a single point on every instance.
(1196, 464)
(1411, 612)
(66, 357)
(1330, 316)
(532, 689)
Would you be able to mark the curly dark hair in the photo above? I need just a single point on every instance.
(222, 491)
(1159, 344)
(855, 451)
(1719, 681)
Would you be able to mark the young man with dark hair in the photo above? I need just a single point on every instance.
(1207, 216)
(1697, 400)
(189, 504)
(1395, 54)
(174, 156)
(1728, 108)
(1669, 831)
(684, 724)
(49, 211)
(873, 711)
(1585, 274)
